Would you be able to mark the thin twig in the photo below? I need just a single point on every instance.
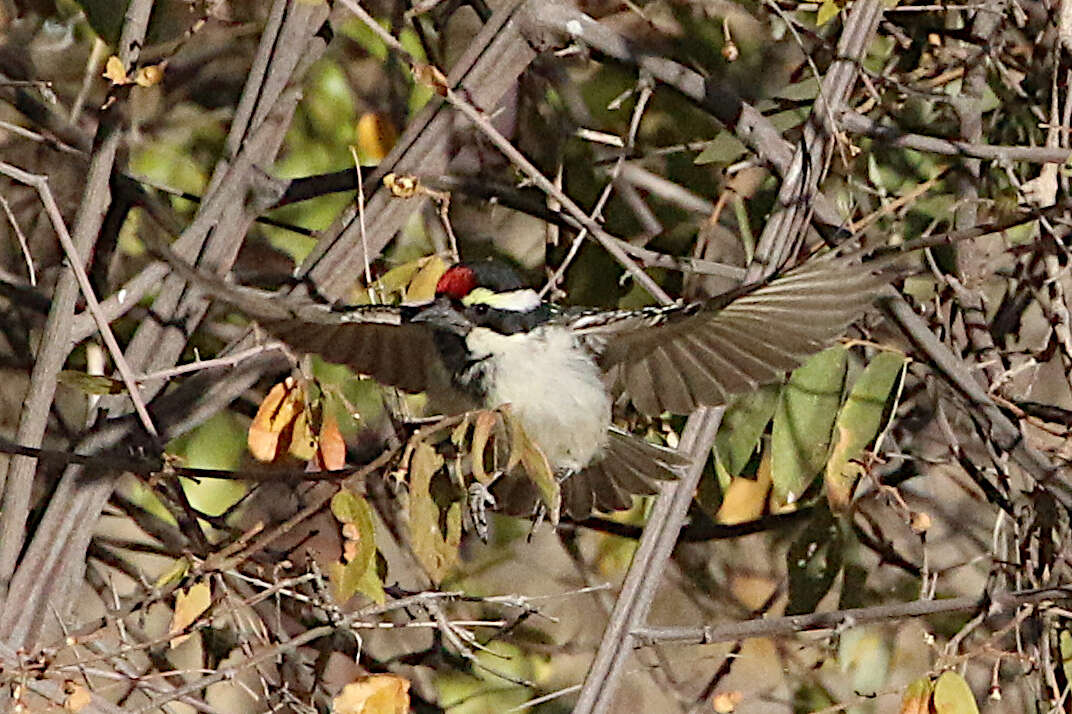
(40, 184)
(999, 603)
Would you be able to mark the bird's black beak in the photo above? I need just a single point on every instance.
(442, 315)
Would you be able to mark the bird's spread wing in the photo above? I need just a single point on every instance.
(680, 357)
(374, 340)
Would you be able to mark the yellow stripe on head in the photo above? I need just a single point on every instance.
(513, 300)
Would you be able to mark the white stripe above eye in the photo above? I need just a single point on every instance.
(514, 300)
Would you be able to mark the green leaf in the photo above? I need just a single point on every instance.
(1066, 653)
(724, 148)
(436, 551)
(803, 421)
(359, 574)
(348, 508)
(219, 443)
(952, 695)
(858, 423)
(354, 577)
(537, 468)
(91, 383)
(813, 562)
(866, 654)
(742, 426)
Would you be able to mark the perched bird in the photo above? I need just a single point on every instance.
(487, 340)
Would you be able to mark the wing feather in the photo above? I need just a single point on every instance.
(374, 341)
(641, 385)
(671, 383)
(674, 359)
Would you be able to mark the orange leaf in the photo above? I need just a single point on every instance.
(376, 136)
(330, 448)
(276, 414)
(485, 422)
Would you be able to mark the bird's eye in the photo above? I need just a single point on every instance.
(481, 308)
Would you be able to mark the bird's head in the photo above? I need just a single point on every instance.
(484, 294)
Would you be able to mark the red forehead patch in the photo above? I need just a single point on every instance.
(456, 282)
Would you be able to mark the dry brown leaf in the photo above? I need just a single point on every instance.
(149, 76)
(114, 71)
(402, 185)
(431, 76)
(77, 697)
(726, 702)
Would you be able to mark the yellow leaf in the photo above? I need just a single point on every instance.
(115, 72)
(423, 285)
(827, 12)
(358, 574)
(437, 552)
(952, 695)
(374, 694)
(354, 577)
(376, 136)
(746, 498)
(189, 605)
(395, 280)
(302, 437)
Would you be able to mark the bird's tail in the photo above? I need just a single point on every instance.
(629, 466)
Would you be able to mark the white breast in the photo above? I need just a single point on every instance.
(552, 386)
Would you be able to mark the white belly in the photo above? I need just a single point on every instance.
(552, 386)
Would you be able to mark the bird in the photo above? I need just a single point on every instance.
(487, 340)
